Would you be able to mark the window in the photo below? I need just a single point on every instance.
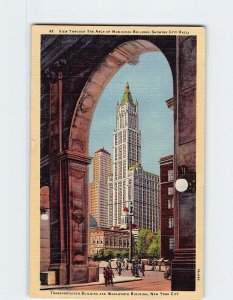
(171, 222)
(170, 191)
(171, 243)
(170, 175)
(170, 203)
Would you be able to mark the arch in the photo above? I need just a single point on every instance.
(71, 93)
(127, 52)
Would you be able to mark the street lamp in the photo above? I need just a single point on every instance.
(43, 213)
(131, 213)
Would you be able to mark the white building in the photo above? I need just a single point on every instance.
(98, 195)
(129, 183)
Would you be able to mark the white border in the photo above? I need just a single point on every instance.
(14, 120)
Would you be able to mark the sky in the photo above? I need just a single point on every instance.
(151, 83)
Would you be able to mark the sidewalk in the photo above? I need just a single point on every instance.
(117, 279)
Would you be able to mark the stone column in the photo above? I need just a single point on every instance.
(58, 253)
(74, 181)
(69, 211)
(183, 265)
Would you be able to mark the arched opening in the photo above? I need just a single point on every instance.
(73, 93)
(150, 83)
(126, 53)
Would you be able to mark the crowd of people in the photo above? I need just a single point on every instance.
(137, 267)
(108, 276)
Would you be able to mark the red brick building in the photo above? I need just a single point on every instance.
(114, 239)
(167, 206)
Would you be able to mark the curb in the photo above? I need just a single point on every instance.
(42, 287)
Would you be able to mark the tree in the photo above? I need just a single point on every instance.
(106, 254)
(143, 241)
(154, 248)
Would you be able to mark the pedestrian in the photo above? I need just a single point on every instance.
(136, 270)
(127, 265)
(154, 264)
(132, 268)
(109, 264)
(119, 268)
(143, 268)
(167, 273)
(106, 277)
(110, 276)
(123, 263)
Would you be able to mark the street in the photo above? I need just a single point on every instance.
(152, 281)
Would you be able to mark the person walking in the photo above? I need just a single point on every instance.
(123, 263)
(109, 264)
(154, 264)
(136, 268)
(143, 268)
(127, 265)
(106, 277)
(110, 276)
(119, 268)
(133, 268)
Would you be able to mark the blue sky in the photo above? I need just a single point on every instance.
(151, 84)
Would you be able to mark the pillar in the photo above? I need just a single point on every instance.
(69, 211)
(183, 265)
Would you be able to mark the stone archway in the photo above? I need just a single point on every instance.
(128, 52)
(67, 154)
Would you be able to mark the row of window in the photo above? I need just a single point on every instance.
(171, 243)
(115, 242)
(170, 203)
(171, 222)
(170, 191)
(170, 175)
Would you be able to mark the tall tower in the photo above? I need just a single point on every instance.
(126, 152)
(99, 187)
(130, 184)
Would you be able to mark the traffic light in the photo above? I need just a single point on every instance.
(131, 209)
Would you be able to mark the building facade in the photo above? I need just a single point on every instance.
(98, 195)
(144, 193)
(129, 185)
(167, 206)
(113, 239)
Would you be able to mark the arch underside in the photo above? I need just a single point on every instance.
(85, 56)
(91, 62)
(128, 52)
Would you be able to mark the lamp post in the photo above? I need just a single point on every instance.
(131, 212)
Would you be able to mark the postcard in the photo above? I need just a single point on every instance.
(117, 162)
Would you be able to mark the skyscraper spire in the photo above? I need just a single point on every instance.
(127, 87)
(129, 183)
(127, 97)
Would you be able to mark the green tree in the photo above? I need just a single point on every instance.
(124, 253)
(155, 246)
(95, 256)
(108, 254)
(143, 241)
